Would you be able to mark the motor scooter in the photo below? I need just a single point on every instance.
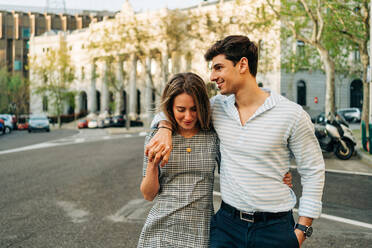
(336, 136)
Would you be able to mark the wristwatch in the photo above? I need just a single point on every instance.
(308, 230)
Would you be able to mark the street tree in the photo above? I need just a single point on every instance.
(305, 19)
(53, 74)
(14, 93)
(351, 20)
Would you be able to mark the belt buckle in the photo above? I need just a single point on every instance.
(245, 219)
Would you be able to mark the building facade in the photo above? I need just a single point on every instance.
(17, 27)
(122, 69)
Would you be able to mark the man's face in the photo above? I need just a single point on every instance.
(225, 74)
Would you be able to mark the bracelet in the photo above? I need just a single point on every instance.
(170, 129)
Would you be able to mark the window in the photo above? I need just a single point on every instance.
(301, 93)
(356, 56)
(300, 50)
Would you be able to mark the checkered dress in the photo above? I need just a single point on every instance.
(181, 214)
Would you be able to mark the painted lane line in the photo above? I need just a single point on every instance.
(327, 217)
(32, 147)
(343, 172)
(106, 137)
(342, 220)
(142, 134)
(79, 140)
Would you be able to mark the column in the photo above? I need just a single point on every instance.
(148, 93)
(92, 99)
(105, 92)
(119, 102)
(133, 88)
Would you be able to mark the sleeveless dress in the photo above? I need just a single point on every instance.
(183, 207)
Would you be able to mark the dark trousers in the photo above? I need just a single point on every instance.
(228, 231)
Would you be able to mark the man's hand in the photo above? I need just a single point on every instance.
(300, 236)
(160, 147)
(287, 179)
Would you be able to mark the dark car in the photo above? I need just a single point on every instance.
(118, 121)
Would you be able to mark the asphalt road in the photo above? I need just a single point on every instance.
(87, 195)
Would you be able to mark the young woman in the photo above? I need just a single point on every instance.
(184, 186)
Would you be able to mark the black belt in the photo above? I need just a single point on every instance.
(252, 216)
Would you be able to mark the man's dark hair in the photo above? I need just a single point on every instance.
(235, 47)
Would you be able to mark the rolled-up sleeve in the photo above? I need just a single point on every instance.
(310, 165)
(158, 118)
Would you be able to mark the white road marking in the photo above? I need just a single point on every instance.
(32, 147)
(142, 134)
(79, 140)
(343, 172)
(328, 217)
(66, 141)
(76, 215)
(343, 220)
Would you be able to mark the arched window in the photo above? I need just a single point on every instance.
(301, 93)
(138, 102)
(124, 111)
(98, 95)
(356, 94)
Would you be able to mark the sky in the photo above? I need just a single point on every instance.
(113, 5)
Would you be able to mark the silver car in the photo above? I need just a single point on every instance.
(38, 122)
(350, 114)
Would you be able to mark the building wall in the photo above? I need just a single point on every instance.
(16, 28)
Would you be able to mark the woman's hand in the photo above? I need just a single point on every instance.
(160, 146)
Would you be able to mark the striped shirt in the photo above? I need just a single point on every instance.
(255, 156)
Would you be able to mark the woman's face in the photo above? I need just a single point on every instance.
(184, 111)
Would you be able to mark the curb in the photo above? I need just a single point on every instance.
(364, 156)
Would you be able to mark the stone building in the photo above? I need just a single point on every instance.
(108, 51)
(19, 24)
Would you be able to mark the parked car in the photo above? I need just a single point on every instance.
(93, 123)
(118, 121)
(350, 114)
(107, 122)
(8, 122)
(2, 127)
(100, 123)
(82, 124)
(38, 122)
(22, 126)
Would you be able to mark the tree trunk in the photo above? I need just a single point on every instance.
(329, 67)
(365, 109)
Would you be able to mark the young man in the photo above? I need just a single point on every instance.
(259, 131)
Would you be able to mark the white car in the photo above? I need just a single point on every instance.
(350, 114)
(92, 123)
(38, 122)
(8, 123)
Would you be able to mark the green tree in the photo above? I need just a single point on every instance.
(53, 75)
(351, 20)
(14, 93)
(305, 20)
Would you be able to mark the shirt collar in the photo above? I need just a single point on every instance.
(269, 103)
